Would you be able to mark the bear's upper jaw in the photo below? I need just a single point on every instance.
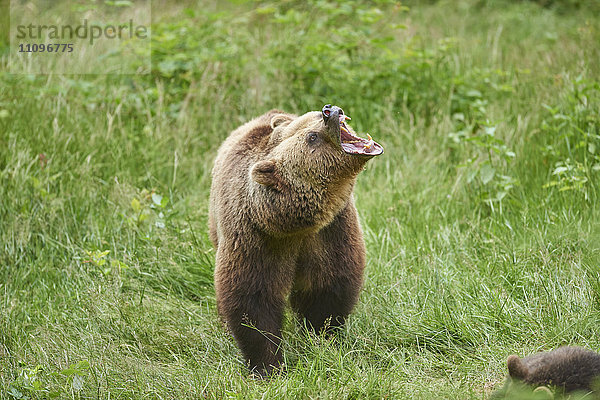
(352, 144)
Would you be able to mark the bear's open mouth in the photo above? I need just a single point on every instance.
(352, 144)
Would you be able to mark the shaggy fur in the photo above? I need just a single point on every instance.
(283, 222)
(568, 368)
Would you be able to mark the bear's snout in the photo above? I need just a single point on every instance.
(331, 111)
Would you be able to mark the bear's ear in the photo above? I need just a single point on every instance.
(265, 173)
(280, 119)
(516, 368)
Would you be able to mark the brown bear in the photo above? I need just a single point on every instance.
(568, 368)
(283, 222)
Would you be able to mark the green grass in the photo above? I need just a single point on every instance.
(481, 218)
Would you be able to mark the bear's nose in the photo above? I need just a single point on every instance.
(328, 110)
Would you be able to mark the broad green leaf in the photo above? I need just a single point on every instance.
(157, 199)
(471, 175)
(78, 382)
(135, 205)
(490, 130)
(164, 202)
(591, 148)
(559, 170)
(487, 173)
(83, 364)
(15, 393)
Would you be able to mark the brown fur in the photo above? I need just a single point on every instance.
(568, 368)
(283, 221)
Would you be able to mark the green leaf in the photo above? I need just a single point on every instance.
(471, 175)
(157, 199)
(135, 205)
(15, 393)
(487, 173)
(68, 371)
(78, 382)
(490, 130)
(116, 264)
(591, 148)
(82, 365)
(559, 170)
(164, 202)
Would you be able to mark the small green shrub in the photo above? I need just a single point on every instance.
(488, 157)
(39, 383)
(571, 130)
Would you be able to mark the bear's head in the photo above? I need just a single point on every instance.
(312, 165)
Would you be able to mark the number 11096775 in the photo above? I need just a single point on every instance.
(46, 48)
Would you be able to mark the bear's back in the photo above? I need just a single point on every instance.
(573, 368)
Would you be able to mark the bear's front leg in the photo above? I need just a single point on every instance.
(251, 299)
(329, 272)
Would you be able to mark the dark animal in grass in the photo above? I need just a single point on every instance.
(283, 222)
(569, 369)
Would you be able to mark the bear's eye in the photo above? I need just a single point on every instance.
(312, 137)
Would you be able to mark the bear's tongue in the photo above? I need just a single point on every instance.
(356, 145)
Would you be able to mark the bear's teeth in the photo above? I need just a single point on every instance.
(343, 118)
(369, 144)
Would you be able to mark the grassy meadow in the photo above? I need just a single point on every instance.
(481, 220)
